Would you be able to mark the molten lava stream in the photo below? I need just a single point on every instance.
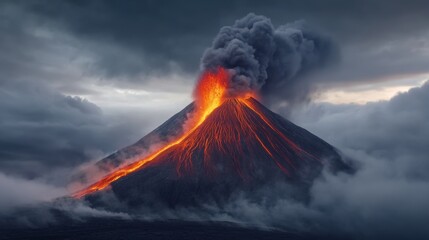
(208, 93)
(250, 105)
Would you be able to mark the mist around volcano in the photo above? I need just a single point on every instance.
(82, 79)
(243, 59)
(225, 156)
(225, 150)
(231, 153)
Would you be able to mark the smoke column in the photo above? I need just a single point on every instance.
(268, 60)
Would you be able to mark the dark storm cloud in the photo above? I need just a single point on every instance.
(267, 59)
(41, 128)
(138, 35)
(394, 130)
(135, 37)
(389, 141)
(45, 133)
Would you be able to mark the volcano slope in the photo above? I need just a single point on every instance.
(240, 147)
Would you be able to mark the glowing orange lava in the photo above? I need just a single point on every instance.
(209, 94)
(237, 135)
(234, 130)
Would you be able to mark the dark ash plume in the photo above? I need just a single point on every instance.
(268, 60)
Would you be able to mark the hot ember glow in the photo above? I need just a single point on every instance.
(209, 94)
(222, 128)
(239, 138)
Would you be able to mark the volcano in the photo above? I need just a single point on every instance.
(212, 149)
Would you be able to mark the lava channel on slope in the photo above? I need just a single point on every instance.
(221, 127)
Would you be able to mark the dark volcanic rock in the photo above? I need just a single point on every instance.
(241, 147)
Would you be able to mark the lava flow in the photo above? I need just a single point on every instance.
(236, 136)
(230, 134)
(209, 94)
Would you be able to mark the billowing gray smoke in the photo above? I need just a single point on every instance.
(268, 60)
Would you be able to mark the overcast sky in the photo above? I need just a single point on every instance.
(80, 79)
